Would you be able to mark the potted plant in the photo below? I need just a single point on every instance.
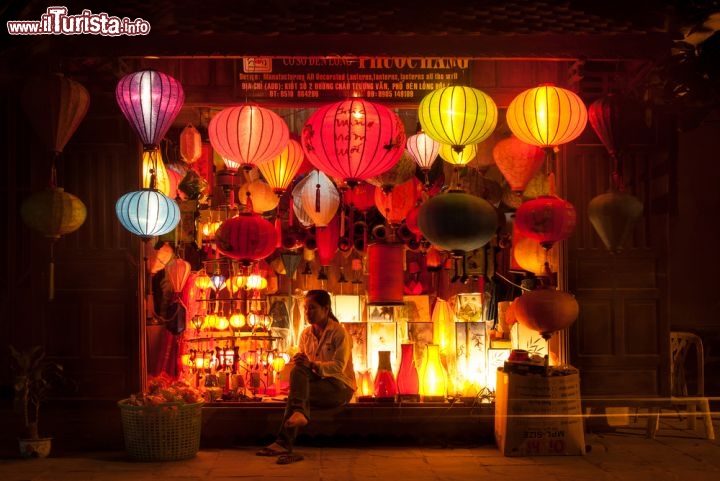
(34, 377)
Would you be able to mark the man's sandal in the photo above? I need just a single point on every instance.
(289, 458)
(268, 451)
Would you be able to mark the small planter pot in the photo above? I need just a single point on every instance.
(35, 448)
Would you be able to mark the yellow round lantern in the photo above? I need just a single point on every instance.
(261, 194)
(458, 116)
(280, 171)
(458, 159)
(547, 116)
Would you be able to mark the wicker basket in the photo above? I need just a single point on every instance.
(167, 432)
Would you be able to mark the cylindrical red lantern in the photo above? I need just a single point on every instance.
(546, 310)
(517, 161)
(353, 139)
(457, 222)
(248, 134)
(247, 237)
(385, 274)
(327, 241)
(150, 100)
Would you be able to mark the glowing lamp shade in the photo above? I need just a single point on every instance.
(458, 158)
(190, 144)
(546, 219)
(150, 100)
(547, 116)
(396, 204)
(152, 163)
(458, 116)
(423, 149)
(247, 238)
(319, 196)
(281, 170)
(248, 134)
(433, 385)
(518, 161)
(353, 140)
(262, 197)
(147, 213)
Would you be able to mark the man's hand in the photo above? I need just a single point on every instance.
(301, 359)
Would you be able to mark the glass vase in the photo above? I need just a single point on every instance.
(407, 378)
(385, 385)
(433, 385)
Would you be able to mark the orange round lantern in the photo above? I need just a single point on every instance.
(396, 204)
(190, 144)
(518, 161)
(247, 237)
(546, 310)
(280, 171)
(361, 197)
(353, 140)
(547, 116)
(530, 255)
(248, 134)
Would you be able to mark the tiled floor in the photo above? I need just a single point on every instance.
(625, 454)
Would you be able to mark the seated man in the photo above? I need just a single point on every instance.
(322, 374)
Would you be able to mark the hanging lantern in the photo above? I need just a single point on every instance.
(547, 219)
(263, 197)
(150, 101)
(153, 165)
(247, 237)
(546, 310)
(327, 241)
(455, 157)
(396, 204)
(606, 120)
(147, 213)
(517, 161)
(280, 171)
(178, 272)
(547, 116)
(458, 116)
(457, 222)
(190, 144)
(55, 106)
(248, 134)
(385, 274)
(361, 197)
(353, 140)
(401, 172)
(613, 216)
(423, 149)
(320, 199)
(158, 258)
(531, 256)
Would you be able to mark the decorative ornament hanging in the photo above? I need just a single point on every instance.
(613, 215)
(263, 197)
(517, 161)
(546, 310)
(153, 166)
(458, 116)
(147, 213)
(248, 237)
(353, 140)
(320, 199)
(248, 134)
(424, 151)
(190, 144)
(280, 171)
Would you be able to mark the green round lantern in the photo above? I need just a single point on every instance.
(53, 212)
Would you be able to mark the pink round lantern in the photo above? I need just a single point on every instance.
(423, 149)
(247, 238)
(353, 140)
(248, 134)
(150, 100)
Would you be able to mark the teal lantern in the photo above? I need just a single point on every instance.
(147, 213)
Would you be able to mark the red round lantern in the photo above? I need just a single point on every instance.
(517, 161)
(361, 197)
(248, 134)
(247, 237)
(353, 139)
(546, 219)
(457, 222)
(546, 310)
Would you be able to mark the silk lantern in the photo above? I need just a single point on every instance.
(362, 197)
(424, 150)
(613, 216)
(280, 171)
(190, 144)
(147, 213)
(353, 140)
(154, 173)
(401, 172)
(320, 199)
(457, 222)
(248, 134)
(546, 310)
(247, 237)
(547, 116)
(55, 106)
(547, 218)
(518, 161)
(262, 195)
(458, 116)
(455, 157)
(396, 204)
(150, 101)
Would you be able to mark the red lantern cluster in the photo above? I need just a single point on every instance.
(247, 238)
(353, 140)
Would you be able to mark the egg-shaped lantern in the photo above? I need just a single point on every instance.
(518, 161)
(458, 116)
(458, 222)
(248, 134)
(247, 237)
(353, 140)
(423, 149)
(547, 116)
(397, 203)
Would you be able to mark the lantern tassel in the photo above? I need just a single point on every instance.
(51, 272)
(317, 197)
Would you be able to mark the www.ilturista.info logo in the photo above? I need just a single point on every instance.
(57, 22)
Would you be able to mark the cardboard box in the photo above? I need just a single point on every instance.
(539, 415)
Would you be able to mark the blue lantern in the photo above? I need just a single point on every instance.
(147, 213)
